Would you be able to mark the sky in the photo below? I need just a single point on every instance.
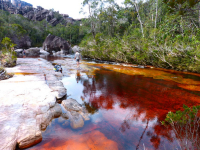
(70, 7)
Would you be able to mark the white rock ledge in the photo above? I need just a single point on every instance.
(27, 103)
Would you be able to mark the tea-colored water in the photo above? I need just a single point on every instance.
(126, 106)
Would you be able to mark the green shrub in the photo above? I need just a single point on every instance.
(186, 126)
(8, 55)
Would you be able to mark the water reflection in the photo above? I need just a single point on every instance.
(126, 111)
(147, 99)
(78, 76)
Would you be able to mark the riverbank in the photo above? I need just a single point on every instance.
(28, 102)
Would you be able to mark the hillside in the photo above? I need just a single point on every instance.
(35, 14)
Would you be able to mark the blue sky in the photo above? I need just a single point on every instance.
(70, 7)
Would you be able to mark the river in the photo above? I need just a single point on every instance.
(126, 105)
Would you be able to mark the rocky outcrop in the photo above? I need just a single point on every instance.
(27, 103)
(55, 43)
(35, 14)
(22, 41)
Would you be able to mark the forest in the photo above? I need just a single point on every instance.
(162, 33)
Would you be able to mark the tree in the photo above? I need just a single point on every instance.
(92, 8)
(137, 8)
(8, 45)
(182, 7)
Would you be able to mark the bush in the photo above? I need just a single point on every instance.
(186, 126)
(8, 56)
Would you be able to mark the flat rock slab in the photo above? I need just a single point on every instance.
(27, 103)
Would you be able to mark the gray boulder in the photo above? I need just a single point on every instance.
(19, 52)
(76, 48)
(71, 105)
(32, 52)
(55, 43)
(76, 120)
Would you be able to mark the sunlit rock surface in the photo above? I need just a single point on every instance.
(32, 52)
(27, 103)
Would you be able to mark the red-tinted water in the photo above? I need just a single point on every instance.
(126, 106)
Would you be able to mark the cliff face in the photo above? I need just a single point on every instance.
(35, 14)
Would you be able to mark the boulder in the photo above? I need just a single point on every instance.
(76, 120)
(29, 15)
(19, 52)
(75, 112)
(71, 105)
(32, 52)
(42, 52)
(55, 43)
(76, 48)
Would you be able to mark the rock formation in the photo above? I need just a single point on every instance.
(35, 14)
(55, 43)
(22, 41)
(27, 103)
(32, 52)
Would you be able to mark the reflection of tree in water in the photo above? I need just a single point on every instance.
(91, 109)
(137, 147)
(146, 96)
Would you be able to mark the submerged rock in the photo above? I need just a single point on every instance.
(76, 120)
(75, 112)
(71, 105)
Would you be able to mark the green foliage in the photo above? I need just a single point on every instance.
(57, 15)
(181, 6)
(8, 45)
(172, 43)
(8, 57)
(185, 125)
(182, 117)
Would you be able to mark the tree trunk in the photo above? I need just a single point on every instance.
(139, 19)
(156, 16)
(199, 15)
(92, 24)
